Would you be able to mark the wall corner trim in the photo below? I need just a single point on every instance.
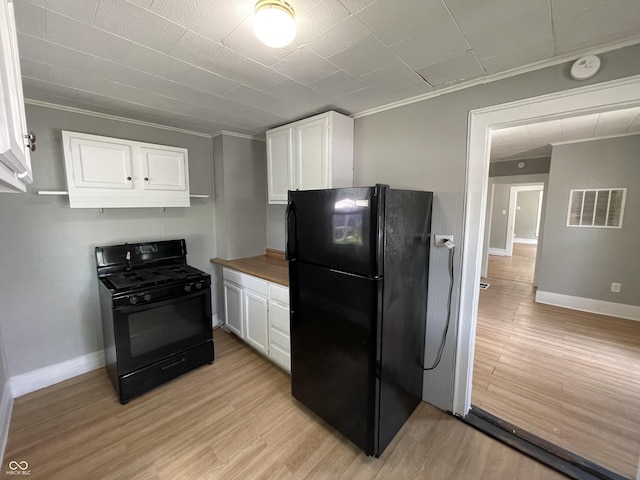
(6, 405)
(46, 376)
(619, 310)
(498, 251)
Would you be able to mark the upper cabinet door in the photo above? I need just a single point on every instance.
(312, 161)
(99, 164)
(164, 168)
(279, 165)
(14, 153)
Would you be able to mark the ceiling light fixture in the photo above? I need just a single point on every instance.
(274, 23)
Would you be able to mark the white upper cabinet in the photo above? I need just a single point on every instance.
(15, 161)
(106, 172)
(313, 153)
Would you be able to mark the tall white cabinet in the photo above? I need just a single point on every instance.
(310, 154)
(15, 160)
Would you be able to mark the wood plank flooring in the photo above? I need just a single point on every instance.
(235, 419)
(569, 377)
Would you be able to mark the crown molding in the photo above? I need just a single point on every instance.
(238, 135)
(502, 75)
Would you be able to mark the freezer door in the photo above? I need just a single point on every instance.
(336, 228)
(333, 349)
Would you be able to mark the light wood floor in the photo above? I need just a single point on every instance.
(234, 419)
(569, 377)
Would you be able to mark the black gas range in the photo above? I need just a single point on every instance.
(156, 314)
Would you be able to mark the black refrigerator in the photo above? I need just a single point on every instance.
(358, 282)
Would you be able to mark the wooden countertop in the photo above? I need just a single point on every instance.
(271, 267)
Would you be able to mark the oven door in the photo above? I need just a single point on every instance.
(145, 334)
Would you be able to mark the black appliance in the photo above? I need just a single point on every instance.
(156, 314)
(358, 279)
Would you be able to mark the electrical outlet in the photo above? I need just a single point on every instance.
(615, 287)
(440, 239)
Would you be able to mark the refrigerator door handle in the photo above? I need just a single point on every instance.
(290, 231)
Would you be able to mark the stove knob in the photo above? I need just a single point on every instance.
(147, 297)
(199, 285)
(133, 300)
(187, 288)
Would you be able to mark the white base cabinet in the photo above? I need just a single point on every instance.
(310, 154)
(258, 312)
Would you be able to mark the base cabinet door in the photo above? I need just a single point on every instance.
(279, 342)
(233, 308)
(255, 321)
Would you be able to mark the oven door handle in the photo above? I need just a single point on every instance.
(161, 303)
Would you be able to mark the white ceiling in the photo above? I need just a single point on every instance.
(534, 140)
(196, 64)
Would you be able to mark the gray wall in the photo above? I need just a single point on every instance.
(499, 216)
(424, 146)
(276, 227)
(510, 167)
(50, 293)
(583, 262)
(241, 196)
(526, 221)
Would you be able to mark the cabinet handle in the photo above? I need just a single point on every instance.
(146, 179)
(128, 178)
(31, 141)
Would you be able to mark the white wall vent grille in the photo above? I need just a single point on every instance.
(596, 208)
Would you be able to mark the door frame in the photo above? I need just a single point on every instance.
(511, 218)
(612, 95)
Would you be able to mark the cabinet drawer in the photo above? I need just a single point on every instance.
(278, 293)
(279, 317)
(280, 357)
(246, 281)
(278, 339)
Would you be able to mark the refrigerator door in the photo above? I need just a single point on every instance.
(333, 349)
(336, 228)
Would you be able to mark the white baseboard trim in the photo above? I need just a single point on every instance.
(620, 310)
(498, 251)
(43, 377)
(6, 405)
(530, 241)
(216, 322)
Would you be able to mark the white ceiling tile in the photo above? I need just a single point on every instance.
(355, 5)
(155, 63)
(392, 22)
(438, 42)
(318, 19)
(461, 67)
(256, 116)
(202, 52)
(563, 8)
(73, 34)
(98, 67)
(138, 25)
(338, 84)
(615, 122)
(578, 127)
(305, 66)
(366, 56)
(42, 51)
(473, 16)
(532, 27)
(543, 131)
(243, 40)
(307, 97)
(263, 101)
(360, 100)
(29, 18)
(392, 77)
(299, 6)
(337, 38)
(253, 74)
(33, 69)
(206, 81)
(34, 87)
(81, 10)
(517, 58)
(215, 19)
(604, 23)
(142, 3)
